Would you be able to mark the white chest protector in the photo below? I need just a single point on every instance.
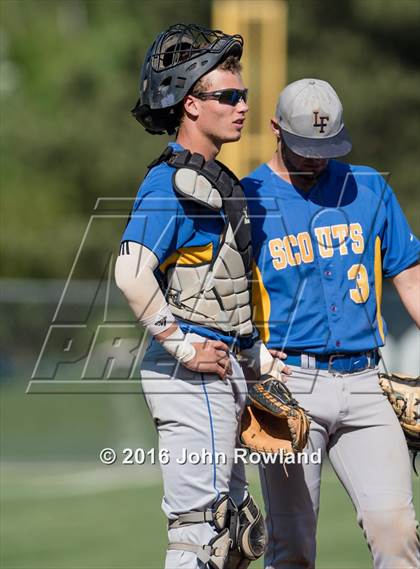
(216, 293)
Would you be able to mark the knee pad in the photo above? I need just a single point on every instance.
(249, 536)
(241, 536)
(215, 552)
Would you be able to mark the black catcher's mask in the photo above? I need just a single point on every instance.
(175, 61)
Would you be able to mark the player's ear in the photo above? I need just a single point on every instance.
(275, 127)
(191, 106)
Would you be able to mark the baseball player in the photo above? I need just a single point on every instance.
(325, 233)
(185, 268)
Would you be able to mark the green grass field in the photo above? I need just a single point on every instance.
(79, 517)
(62, 509)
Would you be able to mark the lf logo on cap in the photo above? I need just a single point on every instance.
(322, 121)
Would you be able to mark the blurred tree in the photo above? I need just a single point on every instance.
(370, 51)
(69, 75)
(70, 71)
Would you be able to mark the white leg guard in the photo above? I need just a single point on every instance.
(214, 553)
(196, 527)
(241, 534)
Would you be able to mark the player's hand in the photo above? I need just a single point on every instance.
(281, 356)
(211, 356)
(278, 354)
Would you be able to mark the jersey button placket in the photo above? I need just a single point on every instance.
(333, 311)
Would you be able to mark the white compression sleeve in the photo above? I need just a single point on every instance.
(134, 275)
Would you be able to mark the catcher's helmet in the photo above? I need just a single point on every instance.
(177, 59)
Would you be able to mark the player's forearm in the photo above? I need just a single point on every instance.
(134, 275)
(407, 284)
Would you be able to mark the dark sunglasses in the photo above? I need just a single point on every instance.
(225, 96)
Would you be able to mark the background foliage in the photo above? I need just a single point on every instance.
(69, 74)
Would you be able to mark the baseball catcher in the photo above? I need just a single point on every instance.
(185, 267)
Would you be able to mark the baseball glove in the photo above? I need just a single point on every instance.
(273, 421)
(403, 392)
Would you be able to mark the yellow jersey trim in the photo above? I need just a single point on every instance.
(261, 304)
(195, 255)
(378, 286)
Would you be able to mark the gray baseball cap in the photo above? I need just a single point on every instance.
(310, 116)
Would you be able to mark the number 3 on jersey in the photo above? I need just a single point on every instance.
(360, 293)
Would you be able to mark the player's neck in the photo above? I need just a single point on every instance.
(301, 181)
(196, 141)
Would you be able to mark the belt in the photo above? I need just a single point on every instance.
(235, 342)
(342, 363)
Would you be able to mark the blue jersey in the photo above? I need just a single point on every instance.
(176, 230)
(320, 257)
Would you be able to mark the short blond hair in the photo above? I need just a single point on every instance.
(231, 64)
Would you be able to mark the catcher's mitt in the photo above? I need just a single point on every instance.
(273, 421)
(403, 392)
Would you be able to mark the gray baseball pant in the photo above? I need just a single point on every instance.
(354, 424)
(194, 412)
